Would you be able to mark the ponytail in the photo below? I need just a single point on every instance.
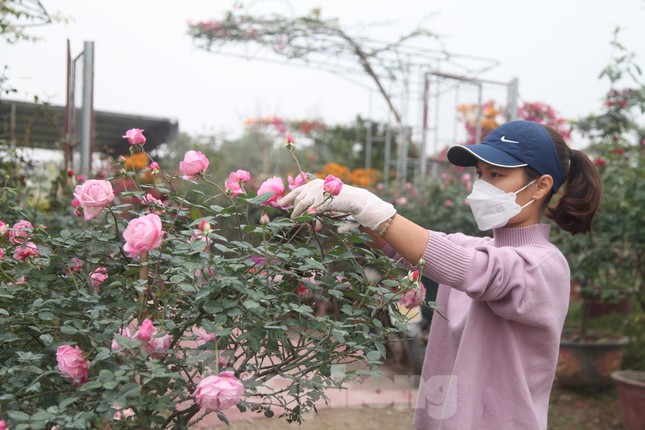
(575, 209)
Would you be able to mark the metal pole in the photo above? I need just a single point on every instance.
(478, 136)
(86, 115)
(423, 159)
(513, 88)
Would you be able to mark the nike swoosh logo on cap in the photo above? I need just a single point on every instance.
(504, 139)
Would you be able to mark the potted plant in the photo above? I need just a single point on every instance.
(609, 263)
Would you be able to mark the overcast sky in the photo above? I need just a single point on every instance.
(147, 64)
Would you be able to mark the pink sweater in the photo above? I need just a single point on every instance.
(491, 365)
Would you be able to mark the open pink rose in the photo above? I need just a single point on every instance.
(272, 185)
(194, 162)
(157, 346)
(146, 330)
(19, 232)
(219, 392)
(142, 235)
(332, 185)
(26, 250)
(298, 181)
(93, 196)
(244, 175)
(97, 277)
(233, 185)
(71, 363)
(135, 136)
(414, 296)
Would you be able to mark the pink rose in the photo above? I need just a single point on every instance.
(414, 297)
(3, 425)
(93, 196)
(97, 277)
(4, 228)
(243, 175)
(142, 235)
(135, 136)
(157, 346)
(74, 266)
(146, 330)
(71, 363)
(233, 186)
(115, 344)
(291, 143)
(298, 181)
(332, 185)
(122, 414)
(1, 253)
(219, 392)
(22, 252)
(194, 162)
(264, 219)
(154, 166)
(149, 198)
(19, 232)
(272, 185)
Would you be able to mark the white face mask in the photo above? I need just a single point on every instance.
(492, 207)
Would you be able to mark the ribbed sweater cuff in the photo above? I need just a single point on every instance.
(446, 262)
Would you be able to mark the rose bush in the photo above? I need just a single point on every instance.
(156, 311)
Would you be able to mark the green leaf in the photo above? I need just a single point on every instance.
(18, 416)
(262, 198)
(68, 329)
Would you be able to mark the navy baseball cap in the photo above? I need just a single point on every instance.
(514, 144)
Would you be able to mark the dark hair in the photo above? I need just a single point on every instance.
(576, 206)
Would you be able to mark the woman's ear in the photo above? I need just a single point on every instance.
(543, 186)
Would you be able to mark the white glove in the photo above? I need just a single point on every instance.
(369, 210)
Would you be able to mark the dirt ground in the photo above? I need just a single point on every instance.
(569, 410)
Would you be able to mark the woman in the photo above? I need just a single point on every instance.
(491, 363)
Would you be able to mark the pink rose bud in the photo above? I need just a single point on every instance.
(80, 178)
(194, 162)
(93, 196)
(20, 232)
(272, 185)
(75, 202)
(4, 228)
(3, 425)
(146, 330)
(70, 173)
(135, 136)
(1, 253)
(264, 219)
(291, 142)
(413, 275)
(154, 167)
(143, 234)
(205, 226)
(332, 185)
(219, 392)
(71, 363)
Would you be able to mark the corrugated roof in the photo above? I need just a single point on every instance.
(41, 125)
